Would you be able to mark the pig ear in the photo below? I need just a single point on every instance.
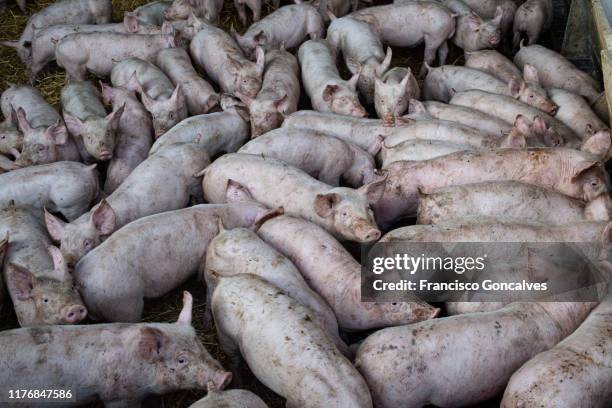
(375, 147)
(74, 124)
(236, 192)
(167, 28)
(474, 20)
(185, 315)
(55, 226)
(114, 117)
(329, 91)
(416, 106)
(324, 204)
(103, 218)
(374, 190)
(606, 236)
(353, 65)
(60, 268)
(130, 22)
(581, 168)
(352, 83)
(261, 60)
(151, 344)
(282, 104)
(133, 84)
(530, 74)
(247, 100)
(539, 125)
(147, 101)
(514, 86)
(267, 216)
(598, 144)
(522, 124)
(514, 139)
(260, 38)
(499, 13)
(406, 79)
(384, 65)
(56, 133)
(177, 94)
(22, 122)
(21, 280)
(107, 92)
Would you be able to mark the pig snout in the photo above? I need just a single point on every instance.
(74, 314)
(106, 155)
(370, 235)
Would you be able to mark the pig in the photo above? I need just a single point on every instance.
(531, 19)
(160, 97)
(148, 358)
(61, 12)
(6, 164)
(45, 138)
(555, 71)
(327, 91)
(134, 135)
(333, 273)
(168, 177)
(508, 199)
(426, 363)
(345, 212)
(360, 131)
(362, 50)
(210, 10)
(418, 149)
(279, 94)
(215, 133)
(240, 250)
(256, 319)
(151, 13)
(575, 372)
(229, 399)
(218, 54)
(575, 173)
(199, 94)
(63, 187)
(288, 26)
(35, 273)
(3, 249)
(411, 23)
(443, 82)
(179, 238)
(336, 8)
(494, 63)
(99, 52)
(254, 6)
(324, 157)
(45, 40)
(508, 108)
(474, 33)
(393, 92)
(11, 139)
(490, 125)
(454, 133)
(86, 119)
(488, 9)
(575, 113)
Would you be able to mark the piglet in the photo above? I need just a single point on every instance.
(167, 176)
(494, 63)
(259, 321)
(86, 119)
(488, 9)
(254, 6)
(99, 52)
(333, 273)
(36, 276)
(151, 13)
(165, 101)
(345, 212)
(555, 71)
(134, 135)
(216, 52)
(61, 12)
(288, 26)
(170, 246)
(574, 111)
(362, 50)
(229, 399)
(215, 133)
(531, 19)
(147, 358)
(393, 92)
(45, 138)
(210, 10)
(337, 8)
(199, 94)
(473, 32)
(279, 94)
(419, 149)
(328, 92)
(64, 187)
(324, 157)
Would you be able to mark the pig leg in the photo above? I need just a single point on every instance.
(429, 55)
(443, 53)
(235, 362)
(241, 10)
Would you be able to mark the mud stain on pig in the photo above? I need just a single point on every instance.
(41, 335)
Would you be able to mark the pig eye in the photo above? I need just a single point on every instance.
(182, 360)
(87, 244)
(45, 300)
